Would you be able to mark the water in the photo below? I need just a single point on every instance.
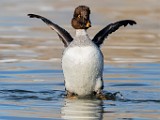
(31, 78)
(37, 92)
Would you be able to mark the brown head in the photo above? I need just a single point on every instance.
(80, 18)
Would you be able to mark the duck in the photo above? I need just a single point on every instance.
(82, 58)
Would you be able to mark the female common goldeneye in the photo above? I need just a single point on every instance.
(82, 60)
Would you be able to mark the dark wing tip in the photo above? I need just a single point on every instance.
(30, 15)
(33, 16)
(40, 17)
(131, 22)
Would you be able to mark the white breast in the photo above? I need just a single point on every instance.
(82, 68)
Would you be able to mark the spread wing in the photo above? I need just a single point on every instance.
(102, 34)
(62, 33)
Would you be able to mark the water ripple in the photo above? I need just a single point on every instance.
(18, 94)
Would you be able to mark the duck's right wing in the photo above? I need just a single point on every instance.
(62, 33)
(102, 34)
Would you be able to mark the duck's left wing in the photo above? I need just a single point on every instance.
(102, 34)
(62, 33)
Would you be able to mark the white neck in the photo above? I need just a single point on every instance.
(81, 32)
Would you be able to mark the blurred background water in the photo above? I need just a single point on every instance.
(31, 79)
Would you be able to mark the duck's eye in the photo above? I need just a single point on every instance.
(79, 16)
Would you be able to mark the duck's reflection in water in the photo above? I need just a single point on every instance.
(82, 109)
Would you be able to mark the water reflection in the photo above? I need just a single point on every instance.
(82, 109)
